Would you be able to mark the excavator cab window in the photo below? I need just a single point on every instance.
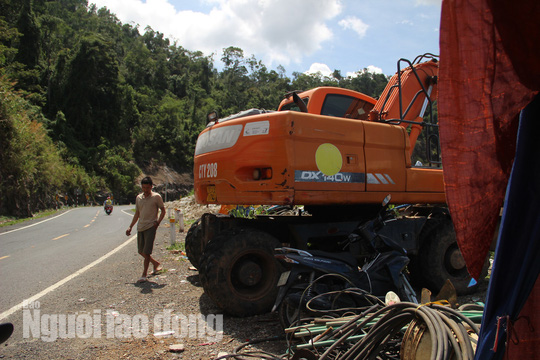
(346, 107)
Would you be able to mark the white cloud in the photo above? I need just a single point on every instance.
(371, 68)
(374, 69)
(283, 31)
(318, 68)
(355, 24)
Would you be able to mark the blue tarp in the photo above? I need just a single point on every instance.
(517, 255)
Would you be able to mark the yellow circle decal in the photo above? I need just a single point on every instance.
(328, 159)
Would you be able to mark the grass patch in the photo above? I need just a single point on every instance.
(7, 221)
(179, 245)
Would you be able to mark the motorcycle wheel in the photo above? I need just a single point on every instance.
(194, 246)
(239, 273)
(288, 313)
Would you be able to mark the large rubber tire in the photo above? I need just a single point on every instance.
(440, 258)
(194, 246)
(240, 273)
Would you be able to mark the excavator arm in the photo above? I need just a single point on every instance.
(406, 99)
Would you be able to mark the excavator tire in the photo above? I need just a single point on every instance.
(239, 272)
(440, 258)
(194, 246)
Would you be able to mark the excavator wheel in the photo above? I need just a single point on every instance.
(239, 273)
(194, 246)
(440, 258)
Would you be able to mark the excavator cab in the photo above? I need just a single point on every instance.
(337, 102)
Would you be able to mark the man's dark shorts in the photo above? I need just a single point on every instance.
(145, 240)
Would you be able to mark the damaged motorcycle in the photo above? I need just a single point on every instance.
(370, 270)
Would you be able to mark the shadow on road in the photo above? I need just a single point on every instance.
(148, 287)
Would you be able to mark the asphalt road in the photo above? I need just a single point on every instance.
(39, 254)
(108, 294)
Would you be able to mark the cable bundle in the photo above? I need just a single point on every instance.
(381, 333)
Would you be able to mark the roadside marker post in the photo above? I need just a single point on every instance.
(172, 227)
(180, 219)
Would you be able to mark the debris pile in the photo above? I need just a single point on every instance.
(190, 208)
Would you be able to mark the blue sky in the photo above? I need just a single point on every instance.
(300, 35)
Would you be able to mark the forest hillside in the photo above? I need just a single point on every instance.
(87, 104)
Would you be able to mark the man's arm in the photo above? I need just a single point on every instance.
(161, 215)
(135, 218)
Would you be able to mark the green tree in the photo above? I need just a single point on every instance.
(91, 94)
(29, 47)
(366, 82)
(32, 166)
(233, 82)
(8, 36)
(118, 170)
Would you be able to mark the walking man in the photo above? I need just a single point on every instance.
(146, 212)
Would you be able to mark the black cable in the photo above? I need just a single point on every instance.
(460, 316)
(349, 328)
(377, 340)
(454, 332)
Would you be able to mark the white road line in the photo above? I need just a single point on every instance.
(15, 308)
(25, 227)
(130, 213)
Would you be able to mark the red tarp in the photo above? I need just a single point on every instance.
(489, 70)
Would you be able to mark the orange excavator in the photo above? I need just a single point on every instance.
(338, 153)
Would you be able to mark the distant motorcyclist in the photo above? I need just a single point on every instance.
(108, 205)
